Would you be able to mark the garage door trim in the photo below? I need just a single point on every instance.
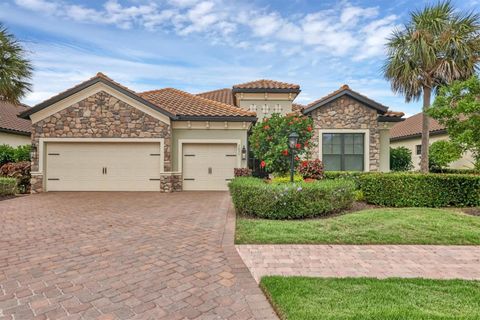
(181, 142)
(43, 141)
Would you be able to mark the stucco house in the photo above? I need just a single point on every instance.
(408, 134)
(102, 136)
(14, 131)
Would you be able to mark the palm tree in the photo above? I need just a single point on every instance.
(438, 45)
(15, 69)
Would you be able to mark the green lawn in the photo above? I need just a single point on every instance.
(374, 226)
(300, 298)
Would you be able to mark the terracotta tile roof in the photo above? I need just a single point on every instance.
(413, 126)
(9, 120)
(266, 84)
(220, 95)
(181, 103)
(297, 107)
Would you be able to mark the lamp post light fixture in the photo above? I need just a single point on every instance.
(292, 143)
(33, 151)
(244, 153)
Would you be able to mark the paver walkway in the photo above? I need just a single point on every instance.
(123, 256)
(380, 261)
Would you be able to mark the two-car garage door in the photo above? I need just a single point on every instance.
(90, 166)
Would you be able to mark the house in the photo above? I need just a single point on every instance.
(409, 134)
(102, 136)
(14, 131)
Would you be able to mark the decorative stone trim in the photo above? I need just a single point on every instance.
(171, 182)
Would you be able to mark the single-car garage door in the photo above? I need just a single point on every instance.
(208, 166)
(105, 166)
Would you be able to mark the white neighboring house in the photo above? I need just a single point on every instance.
(14, 131)
(409, 134)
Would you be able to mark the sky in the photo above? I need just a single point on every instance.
(202, 45)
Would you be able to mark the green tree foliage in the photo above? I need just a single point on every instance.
(457, 107)
(442, 153)
(438, 45)
(15, 69)
(7, 154)
(400, 159)
(269, 141)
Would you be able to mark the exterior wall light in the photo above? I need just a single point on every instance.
(292, 143)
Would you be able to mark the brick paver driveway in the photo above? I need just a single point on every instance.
(123, 255)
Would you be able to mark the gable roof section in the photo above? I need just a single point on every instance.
(220, 95)
(99, 77)
(412, 127)
(9, 120)
(265, 85)
(345, 90)
(186, 106)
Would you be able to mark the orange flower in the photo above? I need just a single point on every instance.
(266, 127)
(285, 152)
(309, 129)
(263, 164)
(298, 146)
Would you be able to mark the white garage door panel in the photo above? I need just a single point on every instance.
(79, 166)
(208, 166)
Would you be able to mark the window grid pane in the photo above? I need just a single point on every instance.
(343, 151)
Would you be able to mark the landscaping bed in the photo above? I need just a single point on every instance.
(302, 298)
(372, 226)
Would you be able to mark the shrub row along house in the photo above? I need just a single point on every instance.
(408, 134)
(100, 135)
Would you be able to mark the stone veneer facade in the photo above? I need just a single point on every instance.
(102, 116)
(347, 113)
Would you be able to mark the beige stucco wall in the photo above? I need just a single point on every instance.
(384, 150)
(14, 140)
(265, 104)
(205, 136)
(465, 162)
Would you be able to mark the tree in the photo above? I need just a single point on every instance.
(437, 46)
(15, 69)
(457, 107)
(442, 153)
(269, 141)
(400, 159)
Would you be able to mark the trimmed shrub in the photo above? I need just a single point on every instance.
(242, 172)
(311, 169)
(456, 171)
(7, 154)
(8, 186)
(21, 153)
(348, 175)
(442, 153)
(252, 196)
(400, 159)
(421, 190)
(20, 171)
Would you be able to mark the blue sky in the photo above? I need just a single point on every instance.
(200, 45)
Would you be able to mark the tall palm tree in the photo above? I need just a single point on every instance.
(15, 69)
(438, 45)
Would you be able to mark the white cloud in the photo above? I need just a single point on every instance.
(351, 15)
(38, 5)
(376, 34)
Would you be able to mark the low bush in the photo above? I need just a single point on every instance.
(400, 159)
(455, 171)
(311, 169)
(421, 190)
(20, 171)
(348, 175)
(8, 186)
(286, 179)
(7, 154)
(252, 196)
(242, 172)
(21, 153)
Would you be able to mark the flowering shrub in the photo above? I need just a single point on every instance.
(311, 169)
(252, 196)
(286, 179)
(269, 141)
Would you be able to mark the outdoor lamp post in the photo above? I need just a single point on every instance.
(292, 143)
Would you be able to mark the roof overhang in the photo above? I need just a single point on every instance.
(26, 114)
(12, 131)
(369, 103)
(217, 118)
(419, 135)
(390, 119)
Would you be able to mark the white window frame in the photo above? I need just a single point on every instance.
(366, 143)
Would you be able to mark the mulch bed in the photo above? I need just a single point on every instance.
(471, 211)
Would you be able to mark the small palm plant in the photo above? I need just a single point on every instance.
(15, 69)
(437, 46)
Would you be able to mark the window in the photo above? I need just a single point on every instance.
(418, 149)
(343, 151)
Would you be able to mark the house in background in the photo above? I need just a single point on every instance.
(409, 134)
(102, 136)
(14, 131)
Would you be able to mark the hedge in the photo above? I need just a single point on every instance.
(8, 186)
(421, 190)
(254, 197)
(349, 175)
